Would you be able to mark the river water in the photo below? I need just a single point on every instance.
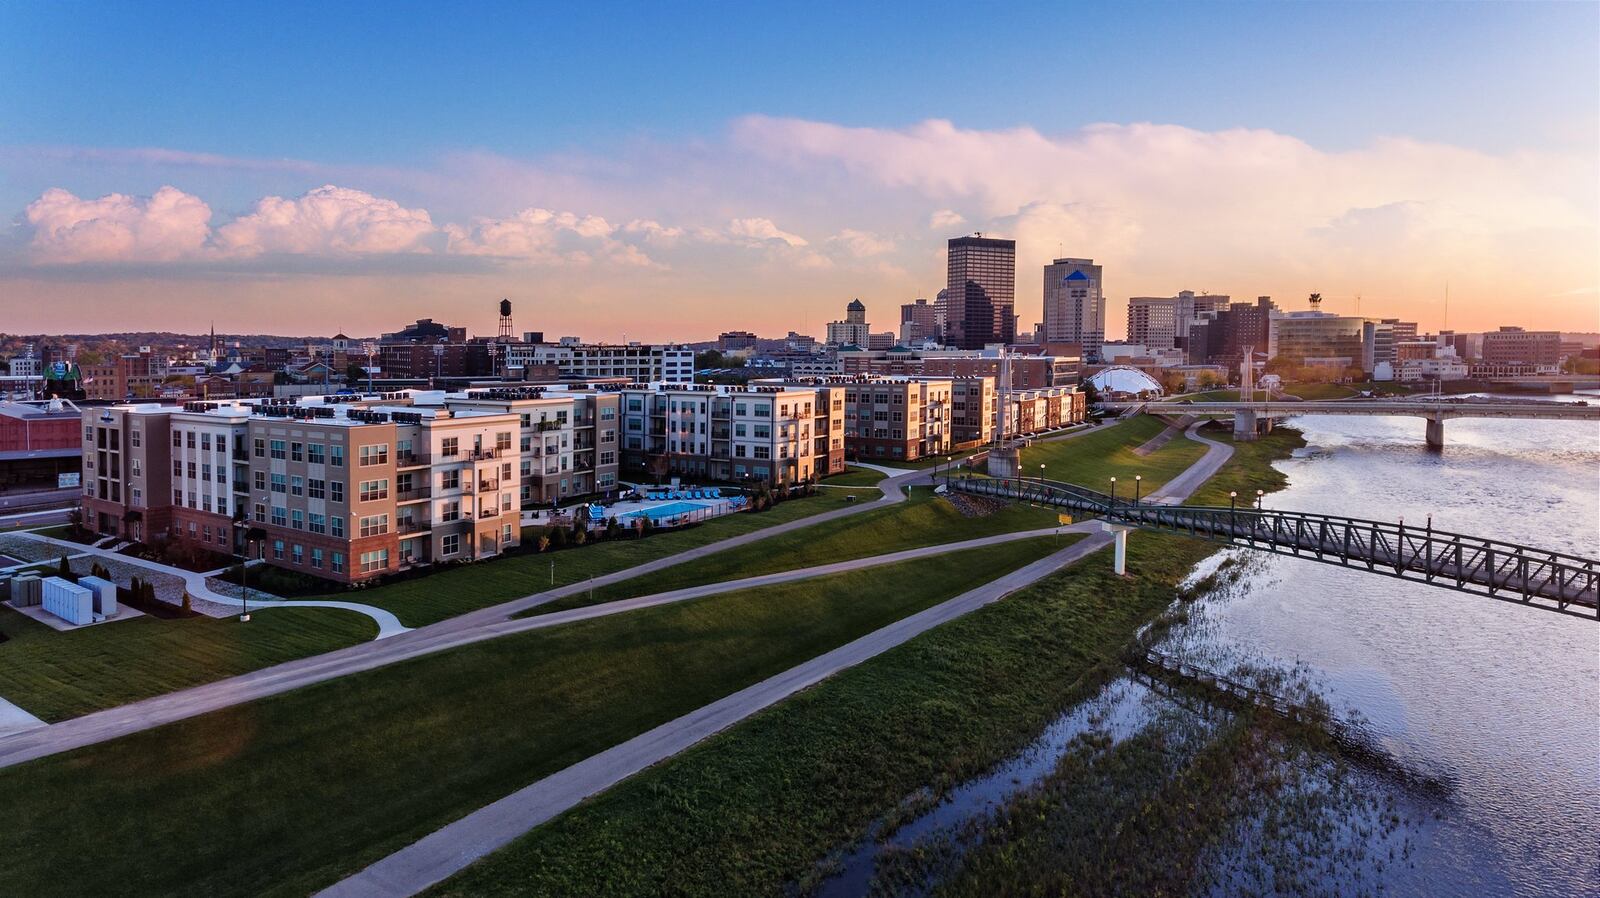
(1499, 701)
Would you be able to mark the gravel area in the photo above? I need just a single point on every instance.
(31, 549)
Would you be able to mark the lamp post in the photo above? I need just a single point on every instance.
(1259, 495)
(244, 570)
(1113, 491)
(1138, 480)
(1232, 496)
(1041, 476)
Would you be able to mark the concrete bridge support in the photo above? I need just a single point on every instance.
(1436, 432)
(1119, 562)
(1244, 425)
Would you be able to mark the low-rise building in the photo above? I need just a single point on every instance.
(763, 432)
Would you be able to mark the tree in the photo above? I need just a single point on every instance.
(355, 373)
(64, 569)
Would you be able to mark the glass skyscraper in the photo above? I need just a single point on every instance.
(982, 292)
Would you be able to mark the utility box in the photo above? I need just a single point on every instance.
(105, 595)
(5, 587)
(68, 601)
(26, 590)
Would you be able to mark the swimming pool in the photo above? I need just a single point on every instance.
(670, 510)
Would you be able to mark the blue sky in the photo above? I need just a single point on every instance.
(391, 98)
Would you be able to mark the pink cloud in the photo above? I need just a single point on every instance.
(114, 228)
(327, 220)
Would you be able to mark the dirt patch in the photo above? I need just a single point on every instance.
(970, 506)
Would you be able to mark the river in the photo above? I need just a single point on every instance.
(1499, 701)
(1497, 704)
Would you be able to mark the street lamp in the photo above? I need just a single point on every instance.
(1259, 494)
(1041, 475)
(244, 569)
(1138, 480)
(1113, 491)
(1232, 495)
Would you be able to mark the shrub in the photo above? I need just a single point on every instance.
(64, 569)
(558, 537)
(543, 542)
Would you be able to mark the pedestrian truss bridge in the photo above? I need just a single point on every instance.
(1487, 567)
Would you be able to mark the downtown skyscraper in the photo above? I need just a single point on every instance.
(1075, 305)
(982, 292)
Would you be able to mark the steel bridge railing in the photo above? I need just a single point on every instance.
(1500, 570)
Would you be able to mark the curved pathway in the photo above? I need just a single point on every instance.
(452, 848)
(195, 583)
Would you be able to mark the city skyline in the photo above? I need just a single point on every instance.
(766, 206)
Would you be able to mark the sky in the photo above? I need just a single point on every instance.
(669, 171)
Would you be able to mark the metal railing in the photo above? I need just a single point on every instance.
(1501, 570)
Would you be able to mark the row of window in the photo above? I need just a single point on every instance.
(310, 487)
(294, 450)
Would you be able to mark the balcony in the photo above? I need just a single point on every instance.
(410, 460)
(406, 525)
(484, 513)
(414, 494)
(488, 486)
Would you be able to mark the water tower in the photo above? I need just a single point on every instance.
(505, 321)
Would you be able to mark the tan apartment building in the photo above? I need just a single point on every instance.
(569, 442)
(897, 418)
(763, 432)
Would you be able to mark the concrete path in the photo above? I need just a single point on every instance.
(14, 720)
(195, 583)
(446, 851)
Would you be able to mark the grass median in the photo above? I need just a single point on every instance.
(855, 477)
(1249, 468)
(922, 520)
(288, 794)
(1093, 459)
(457, 590)
(752, 810)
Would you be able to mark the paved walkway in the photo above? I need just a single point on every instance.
(195, 583)
(446, 851)
(14, 720)
(461, 630)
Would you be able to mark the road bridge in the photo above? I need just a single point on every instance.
(1499, 570)
(1249, 416)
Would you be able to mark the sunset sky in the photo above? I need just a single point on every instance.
(653, 173)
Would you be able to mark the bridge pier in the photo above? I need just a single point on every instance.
(1119, 562)
(1244, 425)
(1005, 463)
(1436, 432)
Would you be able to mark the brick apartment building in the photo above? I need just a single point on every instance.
(776, 433)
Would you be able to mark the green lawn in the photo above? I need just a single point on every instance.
(1250, 467)
(55, 675)
(751, 811)
(1320, 391)
(288, 794)
(1093, 459)
(457, 590)
(855, 477)
(922, 520)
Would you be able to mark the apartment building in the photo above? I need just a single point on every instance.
(569, 442)
(901, 418)
(773, 432)
(634, 362)
(1027, 371)
(974, 408)
(1513, 346)
(342, 488)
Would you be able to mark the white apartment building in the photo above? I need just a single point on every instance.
(732, 433)
(637, 362)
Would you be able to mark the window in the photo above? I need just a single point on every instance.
(608, 458)
(318, 524)
(374, 561)
(336, 456)
(205, 442)
(297, 485)
(336, 562)
(449, 480)
(277, 549)
(315, 453)
(297, 451)
(297, 519)
(376, 454)
(134, 439)
(450, 545)
(450, 446)
(177, 497)
(261, 448)
(280, 516)
(177, 467)
(189, 439)
(299, 554)
(763, 452)
(316, 489)
(261, 513)
(502, 442)
(336, 491)
(374, 525)
(373, 490)
(450, 511)
(222, 505)
(279, 451)
(280, 483)
(336, 527)
(316, 558)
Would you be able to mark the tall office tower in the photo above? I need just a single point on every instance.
(918, 321)
(1153, 321)
(982, 285)
(1074, 305)
(941, 312)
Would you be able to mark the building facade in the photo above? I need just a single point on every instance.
(1074, 305)
(634, 362)
(762, 432)
(981, 280)
(1515, 346)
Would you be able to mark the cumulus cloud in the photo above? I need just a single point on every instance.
(169, 225)
(759, 231)
(861, 244)
(945, 219)
(549, 237)
(327, 220)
